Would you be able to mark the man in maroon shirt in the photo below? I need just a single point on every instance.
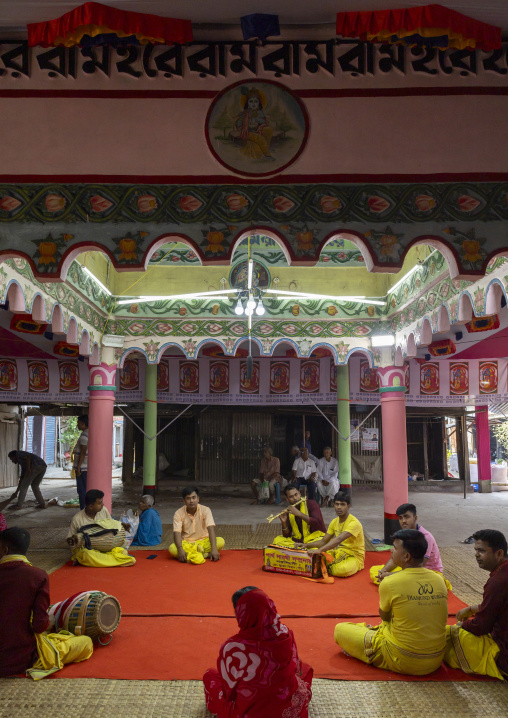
(300, 523)
(479, 641)
(24, 601)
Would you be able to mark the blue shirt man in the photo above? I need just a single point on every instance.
(149, 531)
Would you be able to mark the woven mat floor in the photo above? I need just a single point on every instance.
(461, 569)
(50, 559)
(83, 698)
(49, 538)
(236, 536)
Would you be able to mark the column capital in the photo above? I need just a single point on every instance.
(103, 377)
(392, 378)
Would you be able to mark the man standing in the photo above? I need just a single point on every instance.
(479, 641)
(80, 455)
(33, 469)
(305, 473)
(406, 513)
(344, 540)
(194, 531)
(301, 522)
(268, 471)
(24, 601)
(328, 476)
(413, 606)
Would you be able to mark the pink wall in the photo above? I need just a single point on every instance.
(360, 135)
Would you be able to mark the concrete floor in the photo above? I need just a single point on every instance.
(446, 515)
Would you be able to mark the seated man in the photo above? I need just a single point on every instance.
(96, 513)
(413, 606)
(268, 471)
(328, 476)
(194, 531)
(305, 474)
(479, 641)
(343, 540)
(408, 519)
(149, 531)
(24, 601)
(305, 521)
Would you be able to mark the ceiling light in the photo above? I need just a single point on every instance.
(249, 311)
(249, 276)
(251, 302)
(260, 310)
(307, 295)
(239, 308)
(383, 340)
(101, 285)
(195, 295)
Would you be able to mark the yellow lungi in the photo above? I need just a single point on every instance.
(101, 559)
(291, 543)
(376, 569)
(344, 564)
(197, 551)
(375, 645)
(56, 650)
(470, 653)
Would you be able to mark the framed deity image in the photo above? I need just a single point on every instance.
(256, 128)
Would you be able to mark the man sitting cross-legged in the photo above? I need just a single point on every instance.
(96, 513)
(24, 601)
(149, 531)
(413, 606)
(408, 519)
(344, 540)
(479, 641)
(194, 531)
(301, 522)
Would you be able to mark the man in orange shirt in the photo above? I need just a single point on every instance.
(194, 531)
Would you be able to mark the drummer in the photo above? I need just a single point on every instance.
(96, 512)
(24, 602)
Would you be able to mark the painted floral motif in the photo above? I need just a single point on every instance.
(189, 203)
(127, 247)
(9, 203)
(290, 329)
(267, 346)
(100, 204)
(479, 297)
(54, 202)
(282, 204)
(330, 204)
(467, 203)
(215, 242)
(342, 350)
(388, 245)
(163, 328)
(189, 347)
(151, 349)
(295, 310)
(134, 308)
(314, 329)
(377, 204)
(229, 344)
(136, 328)
(214, 328)
(49, 251)
(236, 202)
(337, 329)
(361, 330)
(264, 328)
(146, 202)
(331, 310)
(471, 253)
(305, 241)
(425, 202)
(189, 328)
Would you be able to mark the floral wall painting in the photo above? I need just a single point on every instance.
(256, 128)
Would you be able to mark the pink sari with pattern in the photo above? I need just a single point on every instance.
(259, 673)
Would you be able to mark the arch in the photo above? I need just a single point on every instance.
(72, 332)
(279, 239)
(133, 350)
(360, 350)
(466, 307)
(77, 249)
(411, 346)
(38, 310)
(167, 345)
(16, 298)
(95, 358)
(290, 342)
(326, 345)
(443, 319)
(84, 347)
(357, 239)
(211, 342)
(426, 332)
(57, 321)
(493, 297)
(399, 357)
(161, 241)
(448, 252)
(255, 343)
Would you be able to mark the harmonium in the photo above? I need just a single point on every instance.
(297, 562)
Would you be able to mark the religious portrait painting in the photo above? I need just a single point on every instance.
(8, 375)
(369, 381)
(38, 376)
(249, 386)
(239, 275)
(129, 375)
(407, 376)
(488, 377)
(279, 377)
(256, 128)
(189, 377)
(309, 377)
(459, 378)
(429, 378)
(69, 376)
(163, 376)
(333, 378)
(219, 377)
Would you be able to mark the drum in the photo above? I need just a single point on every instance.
(91, 613)
(291, 560)
(101, 538)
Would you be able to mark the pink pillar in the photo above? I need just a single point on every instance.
(393, 415)
(100, 429)
(483, 448)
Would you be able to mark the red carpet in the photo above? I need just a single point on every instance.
(182, 648)
(165, 587)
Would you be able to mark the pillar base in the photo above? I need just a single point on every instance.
(484, 487)
(391, 526)
(149, 491)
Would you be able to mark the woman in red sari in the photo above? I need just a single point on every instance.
(259, 674)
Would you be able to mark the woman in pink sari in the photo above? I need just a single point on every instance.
(259, 674)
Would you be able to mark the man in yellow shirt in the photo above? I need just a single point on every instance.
(194, 531)
(413, 605)
(343, 540)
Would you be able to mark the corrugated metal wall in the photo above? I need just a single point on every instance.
(8, 442)
(252, 431)
(177, 443)
(49, 439)
(215, 446)
(367, 466)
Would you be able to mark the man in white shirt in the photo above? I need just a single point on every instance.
(328, 476)
(305, 474)
(80, 456)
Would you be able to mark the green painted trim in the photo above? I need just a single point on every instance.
(400, 389)
(102, 388)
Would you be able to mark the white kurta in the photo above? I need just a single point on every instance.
(328, 471)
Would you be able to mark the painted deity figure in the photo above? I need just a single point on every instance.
(253, 125)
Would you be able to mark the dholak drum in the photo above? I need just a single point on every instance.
(91, 613)
(101, 538)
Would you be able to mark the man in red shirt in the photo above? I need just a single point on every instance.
(479, 641)
(24, 601)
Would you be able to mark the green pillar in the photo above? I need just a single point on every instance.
(150, 447)
(343, 425)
